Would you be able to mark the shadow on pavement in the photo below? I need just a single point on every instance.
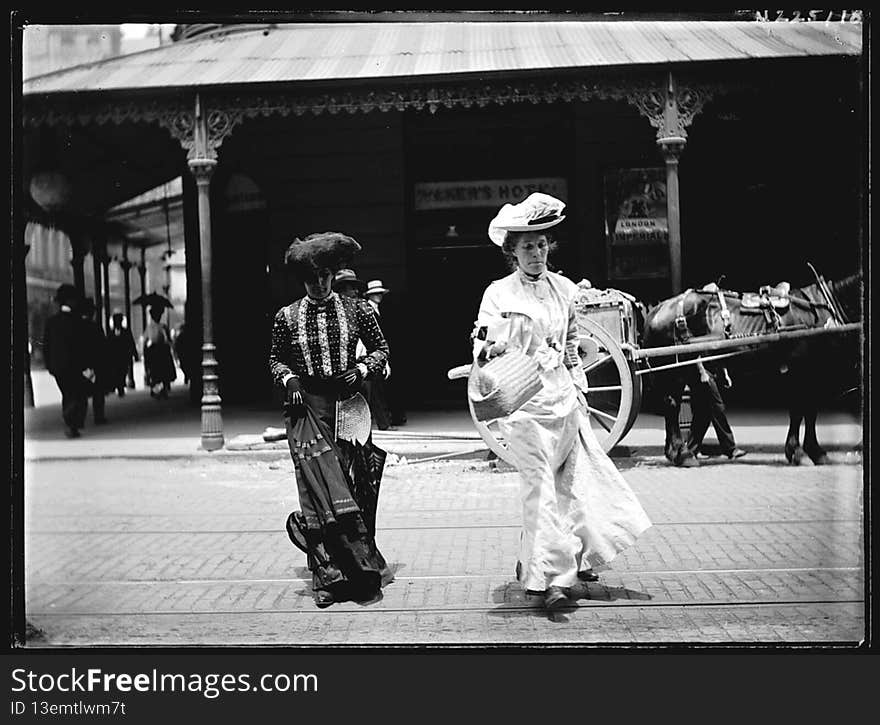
(512, 598)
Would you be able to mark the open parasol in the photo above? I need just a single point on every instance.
(153, 299)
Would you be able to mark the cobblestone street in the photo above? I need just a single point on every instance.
(193, 551)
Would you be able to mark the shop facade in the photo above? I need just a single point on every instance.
(674, 174)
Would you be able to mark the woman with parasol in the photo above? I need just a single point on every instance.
(338, 468)
(158, 359)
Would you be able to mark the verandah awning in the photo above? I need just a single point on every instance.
(361, 51)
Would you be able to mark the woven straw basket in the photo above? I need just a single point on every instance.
(503, 385)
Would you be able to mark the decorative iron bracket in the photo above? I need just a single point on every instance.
(670, 107)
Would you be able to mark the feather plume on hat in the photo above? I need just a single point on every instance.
(324, 250)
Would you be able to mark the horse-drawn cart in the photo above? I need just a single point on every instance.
(614, 363)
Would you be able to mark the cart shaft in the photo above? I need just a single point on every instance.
(752, 341)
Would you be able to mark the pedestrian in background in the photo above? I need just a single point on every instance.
(186, 355)
(63, 351)
(158, 360)
(707, 404)
(97, 359)
(394, 327)
(577, 510)
(346, 283)
(377, 395)
(121, 350)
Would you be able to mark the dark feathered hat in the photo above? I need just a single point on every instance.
(325, 250)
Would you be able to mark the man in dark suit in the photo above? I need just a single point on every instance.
(63, 351)
(96, 358)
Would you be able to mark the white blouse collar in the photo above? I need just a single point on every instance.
(525, 279)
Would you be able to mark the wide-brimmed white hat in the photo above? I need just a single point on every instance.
(536, 212)
(375, 287)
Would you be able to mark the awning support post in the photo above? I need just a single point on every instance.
(125, 263)
(202, 161)
(671, 109)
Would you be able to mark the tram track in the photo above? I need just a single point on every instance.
(438, 527)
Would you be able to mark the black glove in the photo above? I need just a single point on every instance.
(351, 377)
(294, 392)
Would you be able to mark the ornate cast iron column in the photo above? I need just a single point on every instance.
(212, 420)
(670, 110)
(201, 132)
(28, 382)
(98, 254)
(125, 263)
(78, 250)
(671, 148)
(142, 273)
(105, 270)
(202, 159)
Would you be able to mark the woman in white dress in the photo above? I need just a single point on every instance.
(577, 510)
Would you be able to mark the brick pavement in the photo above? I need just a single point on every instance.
(194, 552)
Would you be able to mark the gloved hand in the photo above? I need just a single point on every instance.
(350, 377)
(294, 392)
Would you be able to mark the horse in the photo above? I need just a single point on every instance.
(716, 313)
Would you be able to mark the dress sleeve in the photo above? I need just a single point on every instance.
(281, 351)
(489, 310)
(572, 358)
(373, 339)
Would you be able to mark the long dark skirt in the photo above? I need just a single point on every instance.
(159, 364)
(337, 526)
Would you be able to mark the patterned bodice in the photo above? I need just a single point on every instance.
(319, 339)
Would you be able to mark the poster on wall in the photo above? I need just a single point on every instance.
(636, 228)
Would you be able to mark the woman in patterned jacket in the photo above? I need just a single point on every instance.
(338, 468)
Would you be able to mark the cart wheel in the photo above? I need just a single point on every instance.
(613, 397)
(491, 436)
(615, 392)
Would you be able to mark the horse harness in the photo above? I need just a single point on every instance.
(681, 330)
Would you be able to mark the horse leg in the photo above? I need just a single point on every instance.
(675, 449)
(811, 443)
(793, 451)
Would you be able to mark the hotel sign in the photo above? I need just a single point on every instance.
(433, 195)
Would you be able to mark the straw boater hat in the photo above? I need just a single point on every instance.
(375, 287)
(347, 276)
(536, 212)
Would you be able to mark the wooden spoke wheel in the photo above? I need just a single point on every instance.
(614, 392)
(613, 396)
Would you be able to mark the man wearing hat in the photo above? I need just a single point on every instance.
(96, 356)
(63, 348)
(346, 283)
(376, 388)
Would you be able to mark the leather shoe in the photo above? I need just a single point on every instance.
(322, 598)
(554, 598)
(588, 575)
(736, 453)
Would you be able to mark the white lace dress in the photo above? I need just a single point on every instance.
(577, 510)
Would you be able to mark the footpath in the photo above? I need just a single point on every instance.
(142, 427)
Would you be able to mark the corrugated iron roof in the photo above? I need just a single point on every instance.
(358, 51)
